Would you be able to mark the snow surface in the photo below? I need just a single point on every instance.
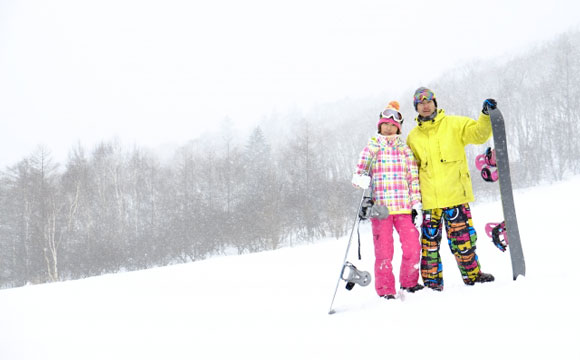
(274, 305)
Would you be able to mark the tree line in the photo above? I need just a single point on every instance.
(115, 209)
(110, 209)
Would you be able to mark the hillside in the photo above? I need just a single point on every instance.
(273, 305)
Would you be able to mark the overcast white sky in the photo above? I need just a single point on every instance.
(155, 72)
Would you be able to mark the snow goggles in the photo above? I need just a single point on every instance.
(425, 94)
(392, 114)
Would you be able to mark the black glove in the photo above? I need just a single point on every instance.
(365, 208)
(488, 104)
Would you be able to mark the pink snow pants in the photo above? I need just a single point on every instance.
(411, 249)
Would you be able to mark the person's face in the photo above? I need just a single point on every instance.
(388, 129)
(425, 108)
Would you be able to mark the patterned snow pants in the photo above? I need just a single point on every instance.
(461, 237)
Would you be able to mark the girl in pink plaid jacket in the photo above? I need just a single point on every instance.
(394, 180)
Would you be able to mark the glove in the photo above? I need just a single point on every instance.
(488, 104)
(361, 181)
(417, 215)
(365, 208)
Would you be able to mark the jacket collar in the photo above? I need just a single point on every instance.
(388, 140)
(427, 123)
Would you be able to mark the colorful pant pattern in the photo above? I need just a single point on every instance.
(461, 237)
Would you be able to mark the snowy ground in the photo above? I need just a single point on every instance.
(274, 305)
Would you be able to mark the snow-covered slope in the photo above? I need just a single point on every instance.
(274, 305)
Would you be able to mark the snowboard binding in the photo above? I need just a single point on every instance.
(484, 163)
(498, 235)
(488, 175)
(366, 208)
(354, 276)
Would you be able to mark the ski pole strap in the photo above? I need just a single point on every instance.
(358, 233)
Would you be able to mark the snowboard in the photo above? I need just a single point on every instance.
(349, 272)
(506, 193)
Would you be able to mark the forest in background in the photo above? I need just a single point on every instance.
(112, 208)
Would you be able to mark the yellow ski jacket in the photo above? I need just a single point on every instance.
(439, 148)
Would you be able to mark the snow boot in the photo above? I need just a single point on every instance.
(413, 289)
(434, 286)
(481, 278)
(389, 297)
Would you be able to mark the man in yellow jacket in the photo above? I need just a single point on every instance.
(438, 142)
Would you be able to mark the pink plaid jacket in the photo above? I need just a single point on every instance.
(394, 172)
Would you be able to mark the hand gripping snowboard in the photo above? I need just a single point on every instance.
(506, 193)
